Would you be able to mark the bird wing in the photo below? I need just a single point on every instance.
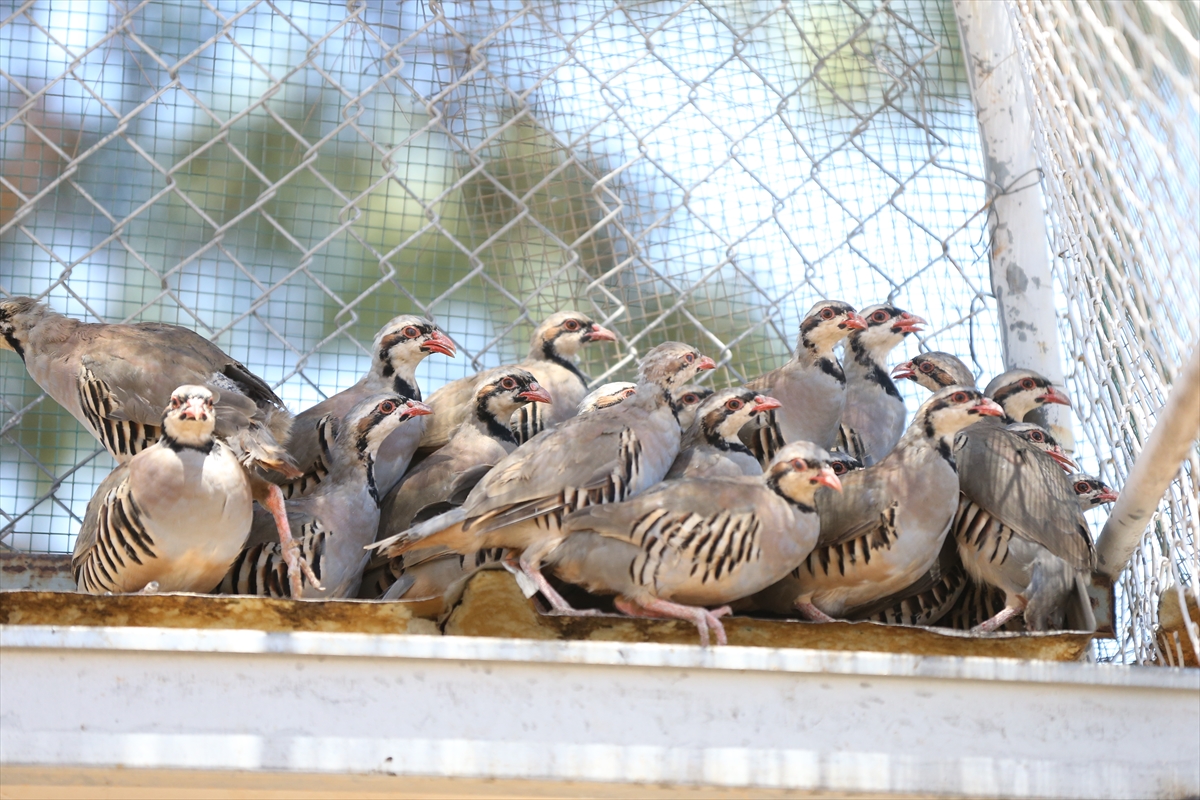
(1025, 489)
(113, 489)
(864, 503)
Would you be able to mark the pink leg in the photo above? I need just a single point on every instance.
(528, 564)
(1015, 606)
(289, 547)
(813, 613)
(702, 618)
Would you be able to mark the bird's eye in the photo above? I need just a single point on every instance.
(958, 397)
(1082, 487)
(1027, 383)
(690, 357)
(571, 324)
(926, 367)
(839, 468)
(690, 399)
(826, 313)
(412, 332)
(879, 316)
(387, 407)
(734, 404)
(508, 383)
(799, 464)
(1037, 436)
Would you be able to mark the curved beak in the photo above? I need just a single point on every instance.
(763, 403)
(904, 370)
(854, 322)
(826, 477)
(908, 323)
(599, 333)
(988, 408)
(706, 363)
(439, 342)
(1107, 496)
(535, 394)
(416, 409)
(1063, 459)
(1053, 395)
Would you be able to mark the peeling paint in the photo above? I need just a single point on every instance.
(1018, 281)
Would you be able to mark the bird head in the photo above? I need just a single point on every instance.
(672, 364)
(686, 401)
(608, 394)
(561, 335)
(504, 390)
(725, 412)
(372, 420)
(950, 410)
(1020, 391)
(18, 316)
(843, 463)
(1040, 438)
(1092, 492)
(826, 324)
(190, 417)
(402, 343)
(887, 326)
(799, 469)
(935, 371)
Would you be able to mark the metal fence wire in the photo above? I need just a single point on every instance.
(284, 178)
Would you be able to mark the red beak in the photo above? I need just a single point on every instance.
(763, 403)
(535, 394)
(706, 363)
(416, 409)
(1053, 395)
(908, 323)
(826, 477)
(599, 334)
(904, 370)
(988, 408)
(1107, 496)
(439, 342)
(855, 322)
(1063, 459)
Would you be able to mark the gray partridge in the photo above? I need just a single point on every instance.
(115, 379)
(551, 360)
(711, 447)
(810, 387)
(174, 516)
(694, 543)
(337, 519)
(606, 456)
(874, 414)
(397, 350)
(887, 527)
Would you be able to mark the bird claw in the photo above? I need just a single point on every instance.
(298, 569)
(813, 614)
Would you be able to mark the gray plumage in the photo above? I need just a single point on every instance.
(606, 456)
(810, 386)
(711, 447)
(397, 350)
(605, 395)
(698, 542)
(874, 411)
(337, 519)
(888, 525)
(935, 370)
(1033, 434)
(551, 359)
(1021, 391)
(175, 514)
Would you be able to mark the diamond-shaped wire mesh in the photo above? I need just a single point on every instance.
(286, 179)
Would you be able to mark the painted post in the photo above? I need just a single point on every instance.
(1020, 254)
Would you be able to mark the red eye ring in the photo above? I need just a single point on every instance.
(387, 407)
(508, 383)
(958, 397)
(1036, 436)
(734, 404)
(1082, 487)
(1027, 383)
(839, 468)
(690, 357)
(690, 399)
(826, 313)
(926, 367)
(879, 316)
(411, 332)
(799, 464)
(571, 324)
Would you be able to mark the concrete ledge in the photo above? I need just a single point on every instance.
(630, 716)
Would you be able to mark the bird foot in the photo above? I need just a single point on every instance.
(813, 614)
(298, 569)
(990, 625)
(702, 618)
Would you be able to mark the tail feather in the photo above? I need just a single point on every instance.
(447, 527)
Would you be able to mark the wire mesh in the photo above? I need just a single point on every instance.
(284, 179)
(1117, 110)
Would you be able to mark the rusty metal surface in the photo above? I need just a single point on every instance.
(208, 612)
(38, 571)
(493, 605)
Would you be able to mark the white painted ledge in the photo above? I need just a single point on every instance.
(253, 703)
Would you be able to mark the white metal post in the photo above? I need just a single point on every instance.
(1020, 255)
(1176, 427)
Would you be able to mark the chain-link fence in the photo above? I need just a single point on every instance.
(285, 178)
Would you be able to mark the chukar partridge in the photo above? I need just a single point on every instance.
(711, 447)
(608, 394)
